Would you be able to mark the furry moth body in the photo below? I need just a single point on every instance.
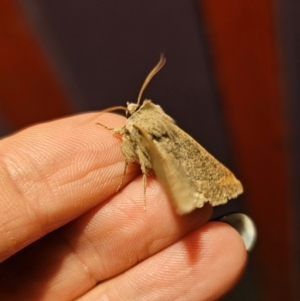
(190, 176)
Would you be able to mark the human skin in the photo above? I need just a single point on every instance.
(65, 234)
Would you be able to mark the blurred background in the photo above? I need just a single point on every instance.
(231, 81)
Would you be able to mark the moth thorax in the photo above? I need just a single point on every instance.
(132, 107)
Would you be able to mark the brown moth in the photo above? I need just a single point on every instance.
(190, 176)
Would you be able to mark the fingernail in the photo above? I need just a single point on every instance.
(244, 225)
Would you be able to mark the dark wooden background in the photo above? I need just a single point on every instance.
(231, 81)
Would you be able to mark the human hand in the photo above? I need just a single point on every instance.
(65, 234)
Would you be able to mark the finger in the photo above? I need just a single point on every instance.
(202, 266)
(108, 240)
(54, 172)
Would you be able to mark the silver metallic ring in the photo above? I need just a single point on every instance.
(244, 225)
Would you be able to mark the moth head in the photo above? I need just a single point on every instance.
(131, 108)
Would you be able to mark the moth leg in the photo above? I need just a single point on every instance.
(144, 172)
(110, 129)
(114, 130)
(123, 176)
(145, 186)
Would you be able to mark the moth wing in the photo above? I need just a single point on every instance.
(177, 186)
(212, 181)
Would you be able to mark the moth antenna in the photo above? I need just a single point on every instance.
(115, 108)
(160, 64)
(110, 109)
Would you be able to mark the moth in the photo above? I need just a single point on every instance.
(190, 175)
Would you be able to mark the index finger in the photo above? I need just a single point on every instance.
(52, 173)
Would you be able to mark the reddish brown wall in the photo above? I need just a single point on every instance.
(29, 90)
(244, 50)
